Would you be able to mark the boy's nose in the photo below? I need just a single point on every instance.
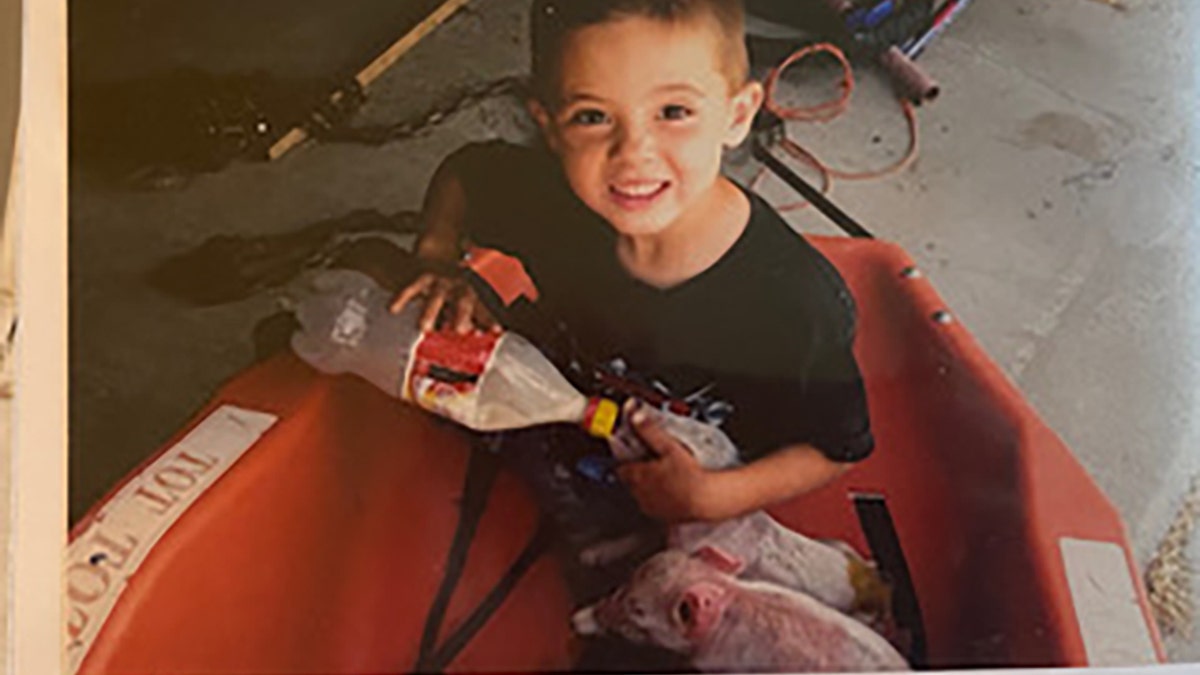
(632, 142)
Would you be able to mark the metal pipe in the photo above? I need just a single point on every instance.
(912, 81)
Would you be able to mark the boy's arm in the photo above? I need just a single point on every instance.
(478, 193)
(674, 487)
(442, 216)
(778, 477)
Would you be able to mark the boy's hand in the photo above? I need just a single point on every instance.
(672, 486)
(440, 289)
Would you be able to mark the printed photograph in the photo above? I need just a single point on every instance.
(631, 335)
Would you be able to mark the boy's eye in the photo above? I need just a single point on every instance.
(676, 112)
(588, 117)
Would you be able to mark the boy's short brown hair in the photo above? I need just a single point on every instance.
(552, 21)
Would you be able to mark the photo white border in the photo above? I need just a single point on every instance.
(39, 421)
(38, 529)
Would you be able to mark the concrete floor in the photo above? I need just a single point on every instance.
(1051, 205)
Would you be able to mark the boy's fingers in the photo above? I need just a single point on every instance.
(464, 312)
(631, 406)
(484, 318)
(654, 435)
(629, 473)
(433, 308)
(414, 289)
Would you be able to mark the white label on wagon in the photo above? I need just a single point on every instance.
(1110, 618)
(103, 557)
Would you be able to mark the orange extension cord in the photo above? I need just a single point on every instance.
(825, 112)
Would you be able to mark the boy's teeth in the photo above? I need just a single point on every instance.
(639, 190)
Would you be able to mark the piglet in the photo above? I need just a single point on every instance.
(693, 604)
(830, 571)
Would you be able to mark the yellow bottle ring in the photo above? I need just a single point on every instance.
(602, 418)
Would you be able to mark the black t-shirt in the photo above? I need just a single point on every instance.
(760, 342)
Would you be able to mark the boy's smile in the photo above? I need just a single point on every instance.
(634, 196)
(645, 110)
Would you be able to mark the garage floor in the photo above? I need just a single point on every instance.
(1051, 206)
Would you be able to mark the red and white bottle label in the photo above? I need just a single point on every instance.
(444, 372)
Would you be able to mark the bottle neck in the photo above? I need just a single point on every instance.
(601, 416)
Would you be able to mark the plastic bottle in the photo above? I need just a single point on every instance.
(484, 381)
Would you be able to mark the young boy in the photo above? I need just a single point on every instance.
(653, 260)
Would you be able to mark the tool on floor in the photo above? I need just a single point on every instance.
(876, 29)
(353, 91)
(945, 14)
(889, 31)
(378, 134)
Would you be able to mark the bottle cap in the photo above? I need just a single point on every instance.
(601, 417)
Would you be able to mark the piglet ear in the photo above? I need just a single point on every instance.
(584, 622)
(720, 559)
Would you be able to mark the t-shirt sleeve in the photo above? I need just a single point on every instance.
(836, 397)
(835, 394)
(822, 402)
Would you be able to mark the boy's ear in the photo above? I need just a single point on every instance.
(746, 103)
(542, 116)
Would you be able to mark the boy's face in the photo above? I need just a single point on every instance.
(645, 109)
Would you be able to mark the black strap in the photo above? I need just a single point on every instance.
(538, 544)
(546, 330)
(487, 296)
(831, 211)
(482, 468)
(877, 525)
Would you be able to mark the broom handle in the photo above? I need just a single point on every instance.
(376, 68)
(945, 14)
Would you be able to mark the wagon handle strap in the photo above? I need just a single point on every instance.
(482, 468)
(880, 531)
(538, 544)
(831, 211)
